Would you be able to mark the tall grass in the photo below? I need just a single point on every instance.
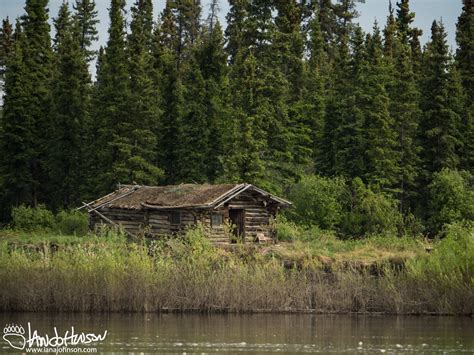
(190, 274)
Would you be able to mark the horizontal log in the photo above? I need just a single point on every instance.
(115, 217)
(262, 222)
(158, 221)
(257, 214)
(123, 212)
(256, 219)
(153, 225)
(255, 229)
(216, 231)
(245, 206)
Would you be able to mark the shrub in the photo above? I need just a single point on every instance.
(451, 199)
(317, 201)
(448, 270)
(72, 222)
(370, 213)
(285, 230)
(32, 219)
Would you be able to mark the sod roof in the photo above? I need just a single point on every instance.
(175, 196)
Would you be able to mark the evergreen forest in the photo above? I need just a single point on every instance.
(290, 95)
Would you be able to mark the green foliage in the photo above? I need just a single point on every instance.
(32, 219)
(382, 158)
(6, 45)
(352, 211)
(318, 201)
(370, 213)
(286, 230)
(404, 108)
(451, 198)
(71, 108)
(111, 106)
(288, 89)
(440, 104)
(448, 270)
(105, 274)
(465, 50)
(72, 222)
(40, 220)
(85, 22)
(16, 131)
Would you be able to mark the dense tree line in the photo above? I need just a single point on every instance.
(288, 88)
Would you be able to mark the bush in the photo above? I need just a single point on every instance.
(32, 219)
(370, 213)
(285, 230)
(451, 199)
(72, 222)
(448, 271)
(317, 201)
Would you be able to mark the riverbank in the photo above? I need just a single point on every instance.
(109, 274)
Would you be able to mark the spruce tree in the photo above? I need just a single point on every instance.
(37, 55)
(465, 65)
(71, 116)
(317, 76)
(465, 50)
(339, 109)
(236, 32)
(188, 26)
(166, 34)
(344, 119)
(17, 131)
(6, 47)
(168, 78)
(405, 111)
(389, 33)
(327, 20)
(441, 119)
(85, 23)
(289, 44)
(408, 34)
(382, 162)
(134, 141)
(139, 137)
(111, 103)
(404, 20)
(246, 137)
(193, 133)
(212, 60)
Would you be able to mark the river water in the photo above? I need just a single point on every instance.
(257, 334)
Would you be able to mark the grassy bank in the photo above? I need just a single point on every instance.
(107, 273)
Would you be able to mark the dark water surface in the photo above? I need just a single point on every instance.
(258, 334)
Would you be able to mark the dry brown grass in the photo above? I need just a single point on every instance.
(192, 275)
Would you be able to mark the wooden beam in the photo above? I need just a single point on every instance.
(87, 205)
(232, 196)
(112, 200)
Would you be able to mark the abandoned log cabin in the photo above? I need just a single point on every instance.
(162, 210)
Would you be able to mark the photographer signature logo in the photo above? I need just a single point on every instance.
(16, 336)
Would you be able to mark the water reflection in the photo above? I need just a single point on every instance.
(261, 333)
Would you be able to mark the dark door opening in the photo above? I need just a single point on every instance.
(237, 219)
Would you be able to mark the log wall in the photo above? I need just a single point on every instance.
(257, 214)
(131, 220)
(157, 222)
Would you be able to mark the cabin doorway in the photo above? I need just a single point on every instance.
(237, 219)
